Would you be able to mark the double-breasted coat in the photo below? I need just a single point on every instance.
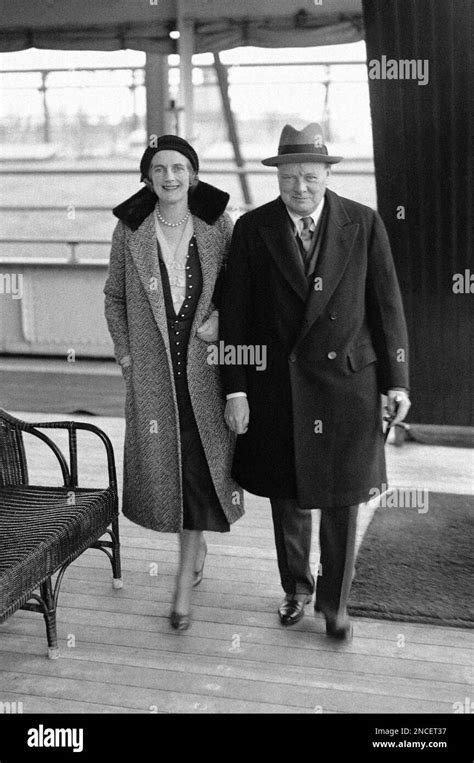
(136, 317)
(333, 346)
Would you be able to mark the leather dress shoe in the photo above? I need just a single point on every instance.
(291, 610)
(179, 622)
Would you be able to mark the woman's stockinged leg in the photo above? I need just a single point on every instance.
(191, 542)
(201, 558)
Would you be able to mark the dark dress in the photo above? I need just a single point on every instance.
(201, 506)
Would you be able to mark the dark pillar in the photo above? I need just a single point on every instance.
(422, 147)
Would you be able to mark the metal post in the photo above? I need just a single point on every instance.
(326, 114)
(221, 72)
(157, 95)
(175, 114)
(73, 253)
(43, 91)
(133, 92)
(186, 90)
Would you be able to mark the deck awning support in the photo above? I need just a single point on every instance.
(157, 95)
(185, 27)
(223, 82)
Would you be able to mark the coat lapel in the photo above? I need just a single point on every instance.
(143, 247)
(336, 249)
(144, 251)
(280, 241)
(209, 245)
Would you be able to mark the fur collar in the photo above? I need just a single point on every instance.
(205, 201)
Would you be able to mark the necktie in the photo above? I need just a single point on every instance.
(306, 234)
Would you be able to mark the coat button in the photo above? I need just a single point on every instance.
(332, 355)
(292, 358)
(333, 316)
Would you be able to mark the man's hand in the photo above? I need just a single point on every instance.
(209, 331)
(237, 414)
(398, 405)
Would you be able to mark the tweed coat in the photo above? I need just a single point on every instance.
(136, 317)
(315, 430)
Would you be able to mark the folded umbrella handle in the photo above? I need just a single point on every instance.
(389, 420)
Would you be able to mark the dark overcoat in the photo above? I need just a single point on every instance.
(136, 317)
(333, 346)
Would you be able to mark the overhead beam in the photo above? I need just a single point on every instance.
(88, 13)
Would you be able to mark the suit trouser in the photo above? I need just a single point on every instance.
(337, 536)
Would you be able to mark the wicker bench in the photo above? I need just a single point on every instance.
(44, 529)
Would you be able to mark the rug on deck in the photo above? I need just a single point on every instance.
(451, 436)
(416, 564)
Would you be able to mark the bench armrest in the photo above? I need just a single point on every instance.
(70, 474)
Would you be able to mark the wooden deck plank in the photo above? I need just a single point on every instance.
(300, 650)
(140, 698)
(94, 678)
(222, 612)
(142, 586)
(168, 680)
(314, 677)
(228, 610)
(40, 704)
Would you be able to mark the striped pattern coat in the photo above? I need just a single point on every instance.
(136, 317)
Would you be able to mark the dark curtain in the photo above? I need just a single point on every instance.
(422, 144)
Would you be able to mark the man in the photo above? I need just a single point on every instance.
(310, 277)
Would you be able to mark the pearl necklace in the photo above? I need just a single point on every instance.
(172, 225)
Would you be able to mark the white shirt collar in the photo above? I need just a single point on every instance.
(315, 216)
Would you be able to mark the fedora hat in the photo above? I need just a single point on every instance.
(304, 145)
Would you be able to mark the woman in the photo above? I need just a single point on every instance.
(161, 297)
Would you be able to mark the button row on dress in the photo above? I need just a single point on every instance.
(182, 315)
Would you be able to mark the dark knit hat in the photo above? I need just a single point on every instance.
(168, 143)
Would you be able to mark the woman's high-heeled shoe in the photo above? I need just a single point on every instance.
(179, 622)
(199, 574)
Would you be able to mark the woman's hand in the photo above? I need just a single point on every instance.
(209, 331)
(125, 362)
